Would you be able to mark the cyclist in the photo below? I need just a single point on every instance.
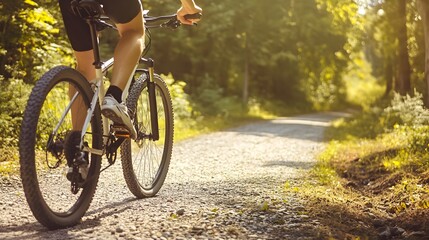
(128, 18)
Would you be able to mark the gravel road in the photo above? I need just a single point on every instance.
(225, 185)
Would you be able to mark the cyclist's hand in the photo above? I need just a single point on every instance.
(188, 9)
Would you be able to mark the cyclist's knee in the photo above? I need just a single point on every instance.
(132, 36)
(133, 33)
(133, 28)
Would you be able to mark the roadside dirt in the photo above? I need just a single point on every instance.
(383, 204)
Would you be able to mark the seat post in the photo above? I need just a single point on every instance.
(94, 40)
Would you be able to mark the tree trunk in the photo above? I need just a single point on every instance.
(388, 75)
(3, 57)
(404, 69)
(245, 96)
(423, 7)
(246, 83)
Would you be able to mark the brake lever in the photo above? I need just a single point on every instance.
(175, 23)
(172, 23)
(193, 16)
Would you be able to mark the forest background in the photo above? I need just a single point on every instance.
(246, 56)
(260, 59)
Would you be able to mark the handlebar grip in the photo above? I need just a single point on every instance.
(193, 16)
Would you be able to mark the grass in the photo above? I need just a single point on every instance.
(9, 161)
(362, 185)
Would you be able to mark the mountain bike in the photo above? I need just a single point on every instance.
(55, 200)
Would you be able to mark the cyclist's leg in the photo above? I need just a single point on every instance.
(127, 53)
(84, 61)
(80, 38)
(128, 17)
(128, 50)
(84, 65)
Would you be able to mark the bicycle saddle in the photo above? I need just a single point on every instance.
(87, 8)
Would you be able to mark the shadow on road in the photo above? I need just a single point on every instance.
(290, 164)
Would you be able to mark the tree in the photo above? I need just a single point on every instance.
(404, 72)
(30, 43)
(288, 50)
(423, 7)
(29, 39)
(388, 44)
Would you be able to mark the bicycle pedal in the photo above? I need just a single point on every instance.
(122, 134)
(74, 176)
(120, 131)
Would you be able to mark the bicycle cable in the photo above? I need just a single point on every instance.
(148, 35)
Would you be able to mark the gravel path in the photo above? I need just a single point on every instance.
(223, 185)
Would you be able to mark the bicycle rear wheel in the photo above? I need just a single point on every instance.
(44, 127)
(145, 162)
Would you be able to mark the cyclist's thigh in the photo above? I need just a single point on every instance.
(121, 11)
(77, 29)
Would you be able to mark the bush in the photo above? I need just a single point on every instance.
(418, 138)
(403, 113)
(13, 98)
(408, 116)
(209, 100)
(181, 105)
(406, 111)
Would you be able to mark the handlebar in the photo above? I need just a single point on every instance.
(91, 10)
(168, 21)
(164, 21)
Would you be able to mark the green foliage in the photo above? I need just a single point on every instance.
(403, 112)
(418, 139)
(209, 100)
(407, 111)
(402, 125)
(325, 49)
(382, 27)
(13, 95)
(361, 125)
(182, 106)
(30, 42)
(363, 89)
(295, 51)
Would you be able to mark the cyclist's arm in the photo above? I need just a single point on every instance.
(188, 7)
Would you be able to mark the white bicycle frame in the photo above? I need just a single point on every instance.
(99, 92)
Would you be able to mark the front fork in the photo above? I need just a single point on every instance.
(152, 99)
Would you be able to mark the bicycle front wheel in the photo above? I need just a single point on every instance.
(54, 200)
(145, 161)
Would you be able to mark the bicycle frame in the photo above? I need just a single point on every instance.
(99, 92)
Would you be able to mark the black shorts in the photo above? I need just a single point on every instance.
(119, 11)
